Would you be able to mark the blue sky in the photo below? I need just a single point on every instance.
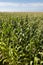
(21, 5)
(21, 1)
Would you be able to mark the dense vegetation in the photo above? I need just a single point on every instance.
(21, 39)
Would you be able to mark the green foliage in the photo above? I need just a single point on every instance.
(21, 39)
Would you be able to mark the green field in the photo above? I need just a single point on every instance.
(21, 38)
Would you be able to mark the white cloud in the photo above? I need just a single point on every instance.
(20, 4)
(8, 6)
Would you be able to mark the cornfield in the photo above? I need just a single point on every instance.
(21, 39)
